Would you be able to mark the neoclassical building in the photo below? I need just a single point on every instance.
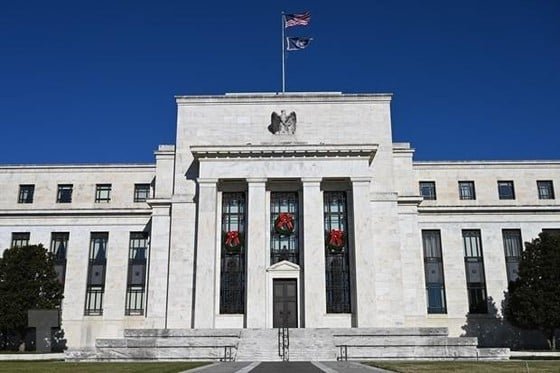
(280, 210)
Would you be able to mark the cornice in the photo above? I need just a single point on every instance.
(74, 212)
(284, 151)
(489, 209)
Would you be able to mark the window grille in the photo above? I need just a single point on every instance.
(136, 280)
(474, 268)
(433, 271)
(96, 274)
(284, 246)
(337, 263)
(232, 264)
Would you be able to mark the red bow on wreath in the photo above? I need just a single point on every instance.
(284, 221)
(232, 238)
(335, 237)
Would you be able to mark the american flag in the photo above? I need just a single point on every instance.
(297, 19)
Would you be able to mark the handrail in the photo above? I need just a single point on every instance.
(284, 343)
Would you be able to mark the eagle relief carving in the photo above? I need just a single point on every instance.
(283, 124)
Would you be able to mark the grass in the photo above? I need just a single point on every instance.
(470, 366)
(62, 367)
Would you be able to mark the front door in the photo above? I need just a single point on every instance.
(284, 298)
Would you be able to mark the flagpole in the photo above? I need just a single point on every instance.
(283, 58)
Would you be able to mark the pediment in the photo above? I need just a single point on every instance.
(283, 266)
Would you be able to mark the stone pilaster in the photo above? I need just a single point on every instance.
(156, 307)
(256, 251)
(314, 304)
(364, 303)
(204, 308)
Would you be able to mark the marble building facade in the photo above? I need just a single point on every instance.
(279, 209)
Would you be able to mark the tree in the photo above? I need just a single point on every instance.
(533, 301)
(28, 280)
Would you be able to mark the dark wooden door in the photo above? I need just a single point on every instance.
(284, 297)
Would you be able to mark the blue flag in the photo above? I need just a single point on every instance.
(296, 44)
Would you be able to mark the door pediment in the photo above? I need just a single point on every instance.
(284, 266)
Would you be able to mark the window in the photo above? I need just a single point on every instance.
(136, 281)
(284, 227)
(103, 193)
(474, 269)
(466, 190)
(59, 245)
(433, 271)
(337, 263)
(141, 192)
(64, 194)
(232, 262)
(96, 274)
(505, 190)
(26, 193)
(20, 239)
(512, 249)
(428, 189)
(546, 189)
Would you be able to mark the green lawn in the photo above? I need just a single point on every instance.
(62, 367)
(549, 366)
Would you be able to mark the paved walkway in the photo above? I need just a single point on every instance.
(291, 367)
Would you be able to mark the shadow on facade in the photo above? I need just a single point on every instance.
(492, 330)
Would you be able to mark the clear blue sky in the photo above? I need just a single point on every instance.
(94, 81)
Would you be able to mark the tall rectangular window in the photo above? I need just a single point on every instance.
(64, 193)
(546, 189)
(337, 263)
(433, 271)
(141, 192)
(428, 189)
(466, 190)
(96, 273)
(26, 193)
(474, 269)
(20, 239)
(136, 280)
(102, 193)
(232, 263)
(284, 227)
(513, 247)
(59, 246)
(505, 190)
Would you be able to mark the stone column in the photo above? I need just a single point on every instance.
(204, 308)
(256, 250)
(364, 302)
(314, 303)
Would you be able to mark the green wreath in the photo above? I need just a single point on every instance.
(284, 224)
(233, 241)
(334, 240)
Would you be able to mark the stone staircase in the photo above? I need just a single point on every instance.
(322, 344)
(258, 345)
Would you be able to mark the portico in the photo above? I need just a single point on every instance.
(276, 179)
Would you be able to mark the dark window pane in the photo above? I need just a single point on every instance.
(64, 193)
(433, 271)
(284, 246)
(474, 270)
(546, 189)
(232, 268)
(337, 264)
(466, 190)
(505, 190)
(103, 193)
(141, 192)
(428, 190)
(26, 193)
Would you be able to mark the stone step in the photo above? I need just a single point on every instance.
(305, 344)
